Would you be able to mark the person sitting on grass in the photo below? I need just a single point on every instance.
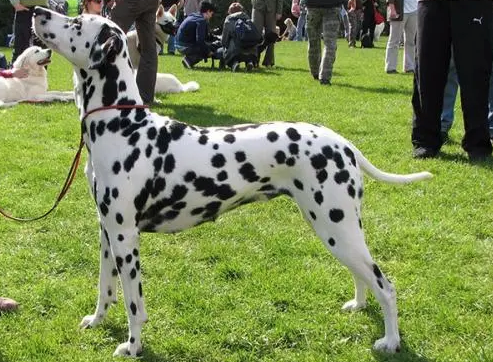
(192, 34)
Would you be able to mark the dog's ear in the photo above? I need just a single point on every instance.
(173, 9)
(160, 11)
(107, 46)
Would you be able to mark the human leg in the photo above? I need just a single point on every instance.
(22, 32)
(432, 63)
(330, 26)
(449, 96)
(410, 22)
(391, 53)
(146, 73)
(314, 19)
(471, 38)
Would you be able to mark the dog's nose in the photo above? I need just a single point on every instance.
(49, 52)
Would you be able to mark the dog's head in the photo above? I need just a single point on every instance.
(34, 58)
(87, 41)
(166, 20)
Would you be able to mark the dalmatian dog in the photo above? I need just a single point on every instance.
(150, 173)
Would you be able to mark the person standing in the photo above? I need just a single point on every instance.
(322, 17)
(22, 25)
(265, 13)
(402, 16)
(143, 13)
(355, 13)
(461, 28)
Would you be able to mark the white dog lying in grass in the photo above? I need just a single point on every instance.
(34, 87)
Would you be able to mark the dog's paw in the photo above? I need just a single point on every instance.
(128, 349)
(353, 305)
(388, 345)
(89, 321)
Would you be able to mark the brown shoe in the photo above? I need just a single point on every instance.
(8, 305)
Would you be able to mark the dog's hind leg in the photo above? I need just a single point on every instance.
(125, 248)
(107, 284)
(345, 240)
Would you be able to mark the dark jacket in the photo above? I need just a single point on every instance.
(232, 48)
(323, 3)
(193, 32)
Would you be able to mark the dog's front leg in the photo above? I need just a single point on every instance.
(125, 249)
(107, 284)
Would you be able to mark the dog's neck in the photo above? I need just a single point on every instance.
(117, 87)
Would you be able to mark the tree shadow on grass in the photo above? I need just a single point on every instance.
(406, 353)
(198, 115)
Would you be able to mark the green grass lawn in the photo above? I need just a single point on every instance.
(256, 285)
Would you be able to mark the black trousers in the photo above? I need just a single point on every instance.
(466, 25)
(23, 32)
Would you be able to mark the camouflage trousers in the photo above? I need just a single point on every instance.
(326, 21)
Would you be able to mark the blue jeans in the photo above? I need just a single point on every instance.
(301, 27)
(449, 96)
(171, 44)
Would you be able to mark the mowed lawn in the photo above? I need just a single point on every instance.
(256, 285)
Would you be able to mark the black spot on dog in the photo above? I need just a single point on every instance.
(121, 237)
(73, 49)
(114, 193)
(341, 176)
(338, 160)
(322, 176)
(332, 242)
(218, 160)
(351, 191)
(376, 271)
(293, 148)
(83, 74)
(134, 138)
(280, 157)
(203, 139)
(293, 134)
(313, 215)
(336, 215)
(169, 164)
(122, 86)
(177, 130)
(129, 162)
(229, 138)
(189, 176)
(350, 154)
(298, 184)
(272, 136)
(240, 156)
(248, 172)
(290, 162)
(222, 176)
(318, 161)
(133, 273)
(119, 218)
(327, 152)
(128, 258)
(319, 198)
(117, 167)
(360, 193)
(151, 133)
(133, 308)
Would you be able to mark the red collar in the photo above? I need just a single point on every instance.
(116, 106)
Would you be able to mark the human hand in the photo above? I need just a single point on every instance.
(20, 73)
(20, 7)
(393, 13)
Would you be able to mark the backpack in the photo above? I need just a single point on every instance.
(247, 34)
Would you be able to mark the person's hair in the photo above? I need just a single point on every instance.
(235, 8)
(84, 6)
(206, 6)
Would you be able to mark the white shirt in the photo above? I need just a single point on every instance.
(410, 6)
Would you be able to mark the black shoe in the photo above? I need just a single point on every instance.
(186, 63)
(249, 67)
(325, 82)
(393, 71)
(423, 152)
(315, 76)
(235, 67)
(478, 156)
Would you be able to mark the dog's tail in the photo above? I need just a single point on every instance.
(191, 86)
(380, 175)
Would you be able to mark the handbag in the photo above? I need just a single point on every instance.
(379, 19)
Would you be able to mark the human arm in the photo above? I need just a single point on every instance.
(18, 6)
(14, 73)
(392, 10)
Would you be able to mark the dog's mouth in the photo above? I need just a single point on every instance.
(44, 62)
